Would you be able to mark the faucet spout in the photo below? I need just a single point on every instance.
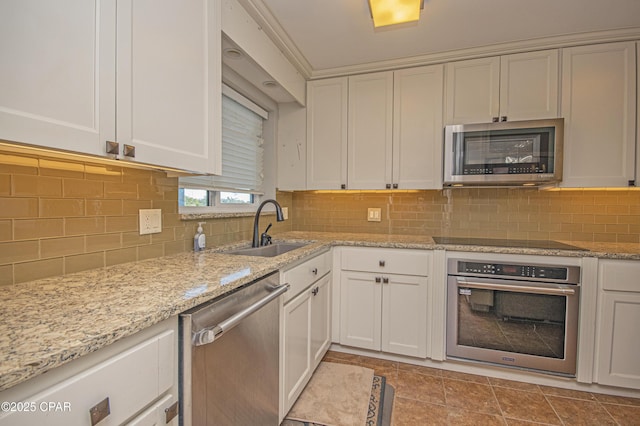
(256, 220)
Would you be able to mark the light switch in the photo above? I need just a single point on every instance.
(374, 214)
(150, 221)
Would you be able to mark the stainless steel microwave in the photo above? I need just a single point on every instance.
(504, 153)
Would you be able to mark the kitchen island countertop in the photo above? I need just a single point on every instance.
(48, 322)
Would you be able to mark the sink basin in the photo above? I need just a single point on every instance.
(272, 250)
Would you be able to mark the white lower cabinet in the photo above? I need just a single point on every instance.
(619, 316)
(129, 382)
(383, 300)
(306, 326)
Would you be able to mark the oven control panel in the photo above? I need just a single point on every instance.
(559, 273)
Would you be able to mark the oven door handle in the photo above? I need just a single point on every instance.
(556, 291)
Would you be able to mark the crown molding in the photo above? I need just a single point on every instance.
(609, 36)
(269, 24)
(272, 28)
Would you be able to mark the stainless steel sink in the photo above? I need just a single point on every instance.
(272, 250)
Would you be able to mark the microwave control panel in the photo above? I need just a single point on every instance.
(499, 169)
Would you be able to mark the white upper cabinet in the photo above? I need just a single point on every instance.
(370, 131)
(388, 125)
(66, 63)
(57, 79)
(521, 86)
(327, 133)
(473, 91)
(599, 108)
(169, 82)
(417, 127)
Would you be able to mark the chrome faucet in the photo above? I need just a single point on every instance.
(279, 217)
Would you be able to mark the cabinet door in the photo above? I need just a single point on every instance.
(57, 79)
(599, 108)
(370, 130)
(327, 133)
(619, 340)
(404, 315)
(473, 91)
(296, 353)
(417, 127)
(169, 82)
(529, 85)
(360, 310)
(320, 336)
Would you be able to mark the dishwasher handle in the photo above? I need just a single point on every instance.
(209, 334)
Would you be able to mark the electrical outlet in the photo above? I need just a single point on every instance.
(150, 221)
(374, 214)
(285, 213)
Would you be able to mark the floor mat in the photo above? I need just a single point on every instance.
(343, 395)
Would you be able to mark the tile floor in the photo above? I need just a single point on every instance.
(429, 396)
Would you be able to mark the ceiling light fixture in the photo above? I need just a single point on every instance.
(391, 12)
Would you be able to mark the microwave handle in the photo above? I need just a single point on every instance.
(518, 288)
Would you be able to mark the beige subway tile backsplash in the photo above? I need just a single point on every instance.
(483, 212)
(39, 269)
(59, 216)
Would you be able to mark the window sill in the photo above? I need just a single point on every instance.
(222, 215)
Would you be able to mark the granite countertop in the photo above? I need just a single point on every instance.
(46, 323)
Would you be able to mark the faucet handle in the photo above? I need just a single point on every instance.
(265, 239)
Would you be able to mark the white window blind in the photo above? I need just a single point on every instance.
(242, 152)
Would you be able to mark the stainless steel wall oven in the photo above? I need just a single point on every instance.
(520, 315)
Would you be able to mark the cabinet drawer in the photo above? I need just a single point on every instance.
(130, 380)
(620, 275)
(390, 261)
(303, 275)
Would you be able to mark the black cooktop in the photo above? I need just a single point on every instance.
(498, 242)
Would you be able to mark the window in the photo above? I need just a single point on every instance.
(241, 181)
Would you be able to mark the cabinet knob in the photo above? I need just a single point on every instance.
(315, 291)
(503, 118)
(385, 280)
(381, 263)
(171, 412)
(129, 151)
(314, 271)
(388, 186)
(378, 279)
(495, 119)
(112, 147)
(100, 411)
(343, 186)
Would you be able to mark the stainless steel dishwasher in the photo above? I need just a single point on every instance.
(229, 358)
